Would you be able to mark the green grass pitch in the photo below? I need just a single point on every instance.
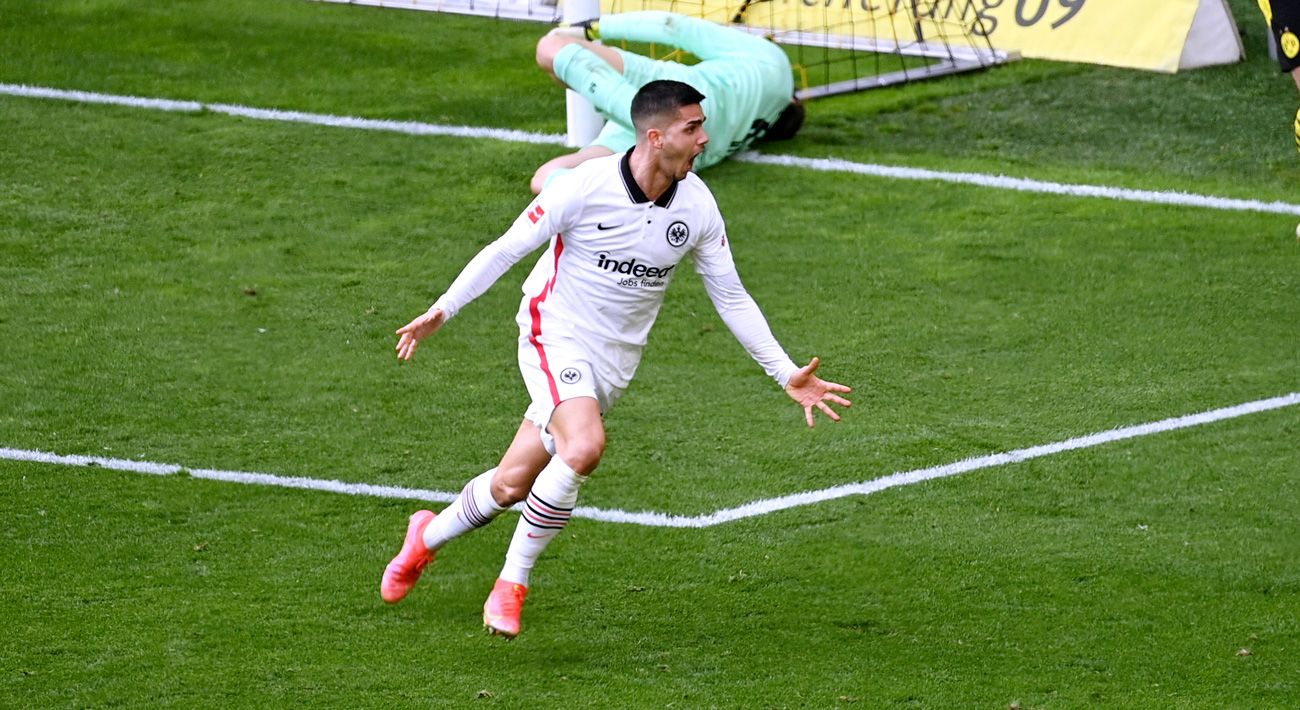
(218, 292)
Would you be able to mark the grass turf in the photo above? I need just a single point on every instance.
(221, 292)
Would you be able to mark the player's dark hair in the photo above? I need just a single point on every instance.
(660, 98)
(787, 124)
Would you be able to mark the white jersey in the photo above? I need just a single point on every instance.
(611, 256)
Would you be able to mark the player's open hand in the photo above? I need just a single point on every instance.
(809, 390)
(410, 335)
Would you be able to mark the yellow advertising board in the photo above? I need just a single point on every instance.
(1143, 34)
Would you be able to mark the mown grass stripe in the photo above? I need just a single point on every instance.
(1003, 182)
(261, 114)
(1000, 182)
(667, 520)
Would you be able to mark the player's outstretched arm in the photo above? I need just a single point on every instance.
(809, 390)
(530, 230)
(410, 335)
(706, 40)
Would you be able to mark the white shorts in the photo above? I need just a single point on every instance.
(561, 369)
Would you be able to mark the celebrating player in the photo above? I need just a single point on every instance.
(618, 227)
(747, 79)
(1283, 17)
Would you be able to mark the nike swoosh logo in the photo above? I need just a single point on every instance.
(603, 228)
(535, 536)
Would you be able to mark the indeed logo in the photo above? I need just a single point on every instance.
(631, 268)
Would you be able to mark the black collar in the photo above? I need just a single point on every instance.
(634, 190)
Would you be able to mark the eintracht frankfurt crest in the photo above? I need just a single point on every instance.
(678, 233)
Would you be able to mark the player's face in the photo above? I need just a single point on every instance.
(683, 140)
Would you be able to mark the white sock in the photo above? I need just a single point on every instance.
(546, 512)
(471, 510)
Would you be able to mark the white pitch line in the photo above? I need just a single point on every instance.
(245, 477)
(667, 520)
(412, 128)
(1001, 182)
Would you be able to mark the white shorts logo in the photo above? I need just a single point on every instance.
(678, 233)
(569, 375)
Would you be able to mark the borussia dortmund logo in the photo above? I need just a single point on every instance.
(569, 375)
(678, 233)
(1290, 45)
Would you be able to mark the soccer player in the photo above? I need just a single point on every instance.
(618, 228)
(747, 80)
(1283, 17)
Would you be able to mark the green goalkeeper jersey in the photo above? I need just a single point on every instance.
(746, 79)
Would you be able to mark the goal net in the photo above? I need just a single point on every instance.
(835, 46)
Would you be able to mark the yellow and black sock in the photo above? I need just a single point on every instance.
(1297, 129)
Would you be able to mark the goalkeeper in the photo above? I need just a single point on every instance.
(746, 78)
(1283, 17)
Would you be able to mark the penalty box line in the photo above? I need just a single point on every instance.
(666, 520)
(1000, 182)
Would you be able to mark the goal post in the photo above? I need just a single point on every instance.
(584, 122)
